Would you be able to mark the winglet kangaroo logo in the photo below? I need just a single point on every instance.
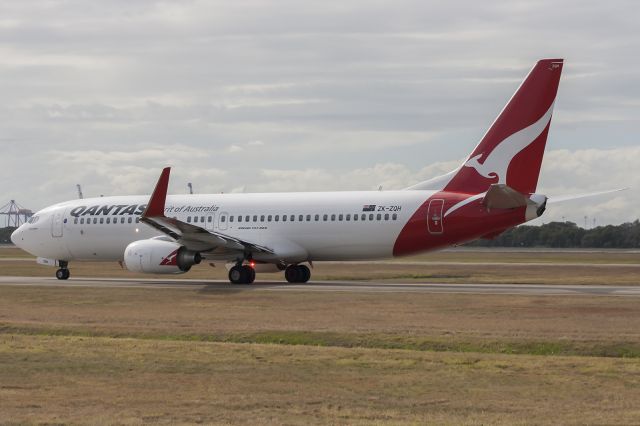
(170, 260)
(497, 161)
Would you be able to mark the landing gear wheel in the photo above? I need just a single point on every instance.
(63, 274)
(250, 274)
(291, 273)
(244, 274)
(297, 274)
(236, 275)
(305, 273)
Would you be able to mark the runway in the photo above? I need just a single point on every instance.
(330, 286)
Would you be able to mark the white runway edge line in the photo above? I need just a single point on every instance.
(333, 286)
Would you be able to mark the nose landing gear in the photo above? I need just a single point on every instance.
(63, 273)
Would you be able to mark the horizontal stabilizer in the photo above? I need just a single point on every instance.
(501, 196)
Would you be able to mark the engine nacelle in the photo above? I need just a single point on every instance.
(156, 256)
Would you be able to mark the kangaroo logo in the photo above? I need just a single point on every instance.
(170, 260)
(497, 161)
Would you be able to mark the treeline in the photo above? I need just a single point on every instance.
(567, 235)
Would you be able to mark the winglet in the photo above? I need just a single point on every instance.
(155, 208)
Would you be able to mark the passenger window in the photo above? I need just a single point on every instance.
(363, 217)
(293, 217)
(209, 219)
(333, 217)
(230, 218)
(75, 221)
(122, 220)
(223, 218)
(348, 217)
(277, 218)
(129, 220)
(108, 220)
(325, 217)
(202, 219)
(355, 216)
(82, 221)
(239, 218)
(394, 216)
(317, 217)
(101, 220)
(370, 216)
(284, 217)
(308, 218)
(262, 218)
(246, 218)
(195, 219)
(300, 218)
(340, 217)
(378, 216)
(188, 219)
(269, 218)
(386, 216)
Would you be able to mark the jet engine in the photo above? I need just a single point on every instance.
(156, 256)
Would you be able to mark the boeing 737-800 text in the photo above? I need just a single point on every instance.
(493, 190)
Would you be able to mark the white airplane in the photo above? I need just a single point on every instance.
(492, 191)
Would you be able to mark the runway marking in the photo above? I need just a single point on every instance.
(332, 286)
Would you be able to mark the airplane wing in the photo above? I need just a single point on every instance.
(191, 236)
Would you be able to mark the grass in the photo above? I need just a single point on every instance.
(203, 355)
(355, 340)
(55, 379)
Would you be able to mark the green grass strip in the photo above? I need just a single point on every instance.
(356, 340)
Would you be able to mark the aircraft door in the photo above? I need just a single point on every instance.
(222, 221)
(56, 224)
(211, 220)
(434, 217)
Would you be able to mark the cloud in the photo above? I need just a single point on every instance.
(287, 95)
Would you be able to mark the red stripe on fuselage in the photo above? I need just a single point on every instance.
(466, 223)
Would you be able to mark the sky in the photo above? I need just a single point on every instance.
(260, 96)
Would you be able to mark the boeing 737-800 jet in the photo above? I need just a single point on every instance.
(491, 191)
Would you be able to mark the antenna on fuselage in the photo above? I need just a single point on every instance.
(80, 196)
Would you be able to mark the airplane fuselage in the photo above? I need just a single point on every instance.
(313, 226)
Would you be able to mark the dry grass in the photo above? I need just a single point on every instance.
(129, 381)
(405, 317)
(136, 355)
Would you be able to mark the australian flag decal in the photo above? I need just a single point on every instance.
(369, 208)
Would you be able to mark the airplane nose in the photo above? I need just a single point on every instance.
(16, 236)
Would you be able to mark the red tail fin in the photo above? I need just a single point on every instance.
(511, 151)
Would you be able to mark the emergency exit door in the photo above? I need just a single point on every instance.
(434, 217)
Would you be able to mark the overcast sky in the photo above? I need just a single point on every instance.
(291, 95)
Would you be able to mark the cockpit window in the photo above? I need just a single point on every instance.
(33, 219)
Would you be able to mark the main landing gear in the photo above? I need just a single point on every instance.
(242, 274)
(297, 273)
(63, 273)
(245, 274)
